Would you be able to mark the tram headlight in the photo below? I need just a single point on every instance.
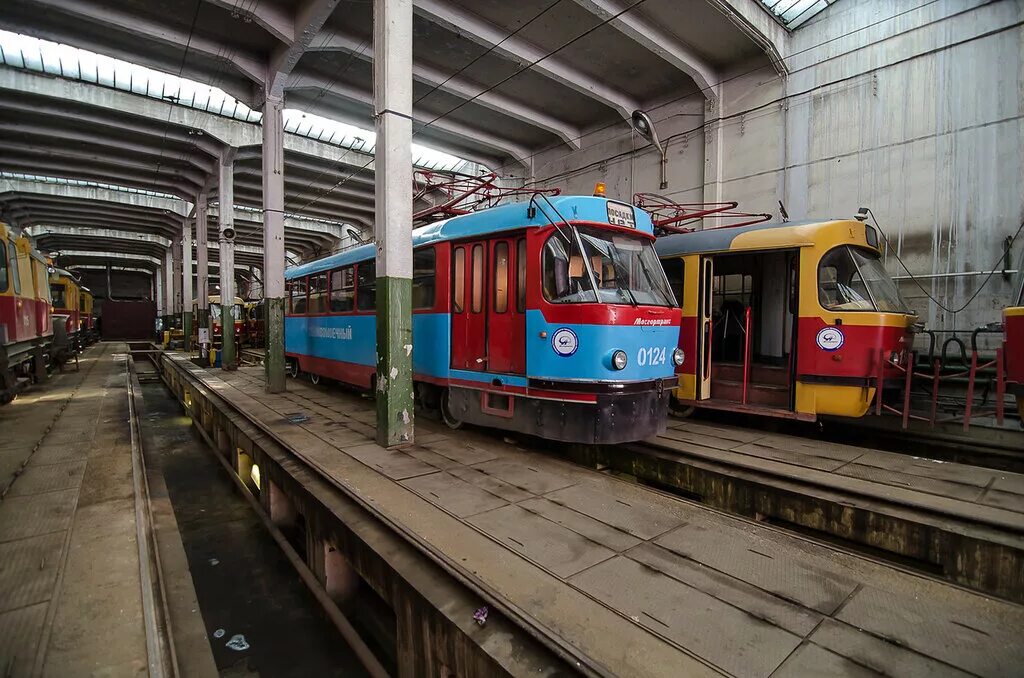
(619, 360)
(678, 357)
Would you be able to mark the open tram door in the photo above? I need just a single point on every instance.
(705, 329)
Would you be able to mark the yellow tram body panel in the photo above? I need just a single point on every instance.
(838, 349)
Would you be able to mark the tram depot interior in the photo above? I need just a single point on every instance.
(479, 338)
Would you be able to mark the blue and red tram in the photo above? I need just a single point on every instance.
(552, 318)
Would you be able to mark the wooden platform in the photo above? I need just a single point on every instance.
(974, 493)
(625, 579)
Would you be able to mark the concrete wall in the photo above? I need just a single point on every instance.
(916, 113)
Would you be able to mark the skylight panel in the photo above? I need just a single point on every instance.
(44, 56)
(793, 13)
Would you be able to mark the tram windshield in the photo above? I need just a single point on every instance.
(215, 312)
(855, 279)
(624, 268)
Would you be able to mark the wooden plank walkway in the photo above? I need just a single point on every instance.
(971, 493)
(628, 579)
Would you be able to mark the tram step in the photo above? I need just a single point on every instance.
(759, 374)
(771, 395)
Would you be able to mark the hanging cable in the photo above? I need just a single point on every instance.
(991, 269)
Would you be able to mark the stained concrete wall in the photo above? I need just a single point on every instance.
(916, 113)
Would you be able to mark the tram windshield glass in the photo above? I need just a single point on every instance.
(624, 267)
(236, 312)
(855, 279)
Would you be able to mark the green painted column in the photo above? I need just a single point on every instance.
(273, 361)
(186, 326)
(394, 361)
(226, 219)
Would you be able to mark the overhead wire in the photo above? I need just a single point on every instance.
(991, 269)
(519, 71)
(432, 90)
(711, 87)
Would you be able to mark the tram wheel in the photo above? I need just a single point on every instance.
(450, 420)
(314, 378)
(293, 368)
(677, 410)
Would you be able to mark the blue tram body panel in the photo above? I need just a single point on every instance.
(353, 339)
(591, 361)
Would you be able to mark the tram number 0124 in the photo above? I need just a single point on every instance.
(651, 356)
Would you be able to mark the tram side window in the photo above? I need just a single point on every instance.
(343, 290)
(57, 292)
(459, 287)
(299, 296)
(423, 265)
(4, 277)
(366, 293)
(675, 270)
(477, 302)
(501, 277)
(15, 271)
(317, 293)
(521, 275)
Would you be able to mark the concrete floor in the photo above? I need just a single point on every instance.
(70, 601)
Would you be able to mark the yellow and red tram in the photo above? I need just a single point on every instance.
(793, 319)
(26, 332)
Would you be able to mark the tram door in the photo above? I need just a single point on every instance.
(704, 329)
(469, 313)
(489, 306)
(506, 313)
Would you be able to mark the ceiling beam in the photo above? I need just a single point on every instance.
(464, 23)
(65, 170)
(470, 135)
(648, 35)
(146, 30)
(309, 19)
(47, 136)
(267, 15)
(461, 87)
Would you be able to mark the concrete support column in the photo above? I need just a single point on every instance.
(713, 147)
(158, 294)
(186, 282)
(168, 288)
(226, 210)
(177, 283)
(273, 242)
(392, 100)
(202, 318)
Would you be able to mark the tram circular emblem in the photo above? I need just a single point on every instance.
(830, 339)
(564, 342)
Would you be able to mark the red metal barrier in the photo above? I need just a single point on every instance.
(935, 377)
(746, 353)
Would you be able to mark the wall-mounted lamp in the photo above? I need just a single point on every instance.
(644, 126)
